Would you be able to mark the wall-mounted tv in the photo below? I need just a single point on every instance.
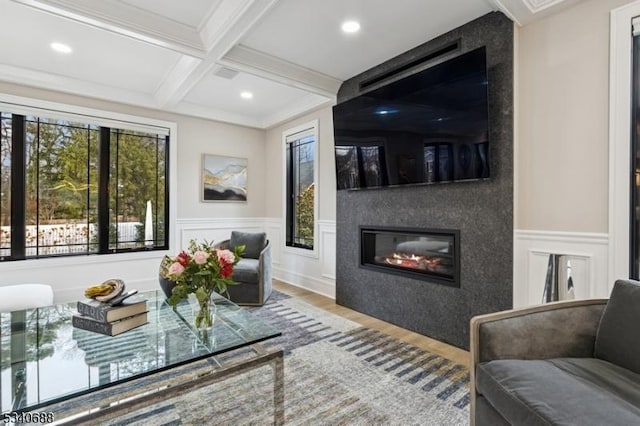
(426, 128)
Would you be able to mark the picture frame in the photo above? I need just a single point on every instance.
(223, 179)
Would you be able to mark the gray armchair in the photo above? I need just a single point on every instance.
(253, 272)
(575, 362)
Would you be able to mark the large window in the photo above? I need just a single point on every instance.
(80, 187)
(301, 154)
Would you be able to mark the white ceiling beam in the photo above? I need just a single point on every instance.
(231, 20)
(172, 82)
(251, 61)
(124, 19)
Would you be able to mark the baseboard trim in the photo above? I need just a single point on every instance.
(312, 284)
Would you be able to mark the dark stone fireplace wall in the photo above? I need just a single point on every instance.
(481, 210)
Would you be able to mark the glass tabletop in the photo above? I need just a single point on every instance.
(44, 359)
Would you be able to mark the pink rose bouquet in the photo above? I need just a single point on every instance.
(201, 270)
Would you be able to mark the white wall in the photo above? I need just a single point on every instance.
(562, 146)
(194, 137)
(297, 267)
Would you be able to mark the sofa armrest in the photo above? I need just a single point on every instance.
(552, 330)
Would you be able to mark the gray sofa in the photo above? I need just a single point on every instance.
(568, 363)
(253, 272)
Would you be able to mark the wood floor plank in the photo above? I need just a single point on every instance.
(452, 353)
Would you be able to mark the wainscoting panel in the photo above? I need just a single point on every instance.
(589, 260)
(316, 274)
(215, 229)
(273, 228)
(327, 229)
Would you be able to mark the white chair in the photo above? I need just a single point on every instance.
(25, 296)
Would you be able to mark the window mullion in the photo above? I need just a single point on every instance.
(104, 164)
(290, 194)
(166, 192)
(18, 187)
(88, 189)
(37, 179)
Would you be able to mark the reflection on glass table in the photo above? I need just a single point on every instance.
(44, 359)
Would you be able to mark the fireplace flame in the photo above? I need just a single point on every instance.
(413, 261)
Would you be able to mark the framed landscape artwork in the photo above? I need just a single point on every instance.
(223, 178)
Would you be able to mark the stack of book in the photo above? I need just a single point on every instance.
(103, 318)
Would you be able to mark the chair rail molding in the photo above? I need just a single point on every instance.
(589, 257)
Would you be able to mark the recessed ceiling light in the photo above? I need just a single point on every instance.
(246, 95)
(60, 47)
(351, 26)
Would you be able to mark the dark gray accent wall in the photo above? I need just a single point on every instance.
(481, 210)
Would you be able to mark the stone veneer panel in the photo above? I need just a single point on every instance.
(481, 210)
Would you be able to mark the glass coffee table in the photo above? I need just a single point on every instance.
(45, 361)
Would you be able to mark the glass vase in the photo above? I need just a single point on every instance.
(204, 313)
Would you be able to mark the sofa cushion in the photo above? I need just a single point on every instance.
(254, 242)
(581, 391)
(617, 338)
(246, 271)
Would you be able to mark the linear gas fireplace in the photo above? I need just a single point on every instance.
(427, 254)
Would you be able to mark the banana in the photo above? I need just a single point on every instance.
(105, 291)
(98, 290)
(117, 289)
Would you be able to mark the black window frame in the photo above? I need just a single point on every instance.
(291, 138)
(634, 178)
(18, 194)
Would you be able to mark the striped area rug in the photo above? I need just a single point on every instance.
(336, 372)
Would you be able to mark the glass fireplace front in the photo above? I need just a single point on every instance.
(426, 254)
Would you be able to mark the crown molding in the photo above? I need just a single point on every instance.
(536, 6)
(524, 12)
(304, 106)
(194, 110)
(273, 68)
(43, 80)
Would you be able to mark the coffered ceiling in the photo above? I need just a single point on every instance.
(196, 57)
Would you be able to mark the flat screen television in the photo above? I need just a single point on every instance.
(426, 128)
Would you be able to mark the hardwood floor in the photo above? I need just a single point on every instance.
(453, 353)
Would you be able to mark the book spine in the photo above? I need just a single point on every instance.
(95, 326)
(92, 311)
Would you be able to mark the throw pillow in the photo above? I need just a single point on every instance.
(617, 338)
